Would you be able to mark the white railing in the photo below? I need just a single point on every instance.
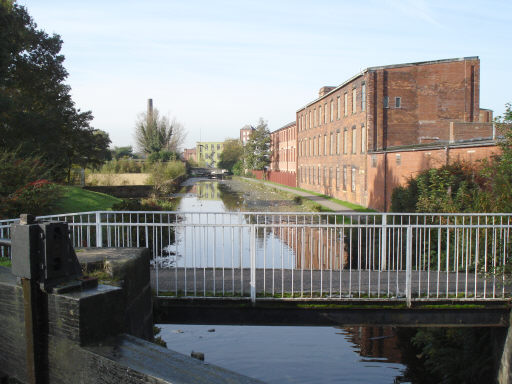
(310, 255)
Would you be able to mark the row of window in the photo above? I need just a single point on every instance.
(323, 114)
(211, 147)
(316, 175)
(331, 144)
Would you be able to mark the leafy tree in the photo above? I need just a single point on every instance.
(120, 152)
(257, 149)
(231, 153)
(37, 115)
(156, 133)
(497, 172)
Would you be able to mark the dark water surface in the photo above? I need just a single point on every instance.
(286, 354)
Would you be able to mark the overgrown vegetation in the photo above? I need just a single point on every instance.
(162, 175)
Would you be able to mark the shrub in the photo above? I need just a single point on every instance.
(24, 186)
(163, 174)
(36, 197)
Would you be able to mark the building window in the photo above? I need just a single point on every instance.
(363, 97)
(314, 146)
(354, 100)
(330, 176)
(303, 127)
(314, 175)
(374, 161)
(337, 177)
(398, 159)
(345, 141)
(320, 115)
(319, 179)
(326, 182)
(325, 113)
(325, 145)
(315, 121)
(353, 179)
(310, 120)
(363, 139)
(398, 102)
(345, 104)
(338, 107)
(338, 138)
(332, 110)
(386, 101)
(332, 144)
(354, 139)
(319, 144)
(344, 177)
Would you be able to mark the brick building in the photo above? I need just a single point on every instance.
(284, 151)
(412, 113)
(189, 154)
(245, 133)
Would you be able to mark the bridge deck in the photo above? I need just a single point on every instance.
(326, 283)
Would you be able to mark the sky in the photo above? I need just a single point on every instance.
(216, 66)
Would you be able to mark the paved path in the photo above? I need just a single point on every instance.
(317, 199)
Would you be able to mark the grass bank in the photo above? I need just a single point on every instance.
(354, 207)
(75, 199)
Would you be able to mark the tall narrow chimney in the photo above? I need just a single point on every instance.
(150, 110)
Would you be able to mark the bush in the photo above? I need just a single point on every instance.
(238, 168)
(163, 174)
(24, 187)
(36, 197)
(162, 156)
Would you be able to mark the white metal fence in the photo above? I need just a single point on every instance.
(309, 255)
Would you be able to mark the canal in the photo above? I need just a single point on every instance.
(288, 354)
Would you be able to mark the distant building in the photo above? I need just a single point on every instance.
(245, 133)
(283, 143)
(208, 153)
(189, 154)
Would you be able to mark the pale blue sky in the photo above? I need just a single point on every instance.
(218, 65)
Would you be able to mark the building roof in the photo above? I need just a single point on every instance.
(370, 69)
(290, 124)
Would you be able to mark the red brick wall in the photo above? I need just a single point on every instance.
(389, 173)
(431, 95)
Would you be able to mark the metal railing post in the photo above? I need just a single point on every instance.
(253, 264)
(99, 231)
(408, 267)
(383, 245)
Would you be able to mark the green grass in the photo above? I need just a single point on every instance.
(5, 262)
(75, 199)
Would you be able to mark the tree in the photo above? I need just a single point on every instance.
(497, 172)
(257, 150)
(156, 133)
(231, 153)
(120, 152)
(37, 115)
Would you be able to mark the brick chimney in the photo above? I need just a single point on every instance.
(150, 110)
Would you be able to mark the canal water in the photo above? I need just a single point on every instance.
(289, 354)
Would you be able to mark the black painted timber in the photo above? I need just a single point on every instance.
(343, 313)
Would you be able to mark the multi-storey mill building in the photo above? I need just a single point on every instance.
(361, 139)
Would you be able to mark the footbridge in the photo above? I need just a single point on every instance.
(314, 268)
